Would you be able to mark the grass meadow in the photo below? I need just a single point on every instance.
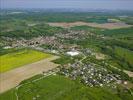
(57, 88)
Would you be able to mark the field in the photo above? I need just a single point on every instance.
(125, 54)
(57, 88)
(25, 72)
(116, 33)
(20, 58)
(103, 25)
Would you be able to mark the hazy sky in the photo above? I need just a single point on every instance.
(92, 4)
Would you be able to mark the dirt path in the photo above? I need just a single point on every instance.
(12, 78)
(105, 25)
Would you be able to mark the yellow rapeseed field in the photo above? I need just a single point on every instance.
(20, 58)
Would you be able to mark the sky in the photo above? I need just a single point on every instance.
(84, 4)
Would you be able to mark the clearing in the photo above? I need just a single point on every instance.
(104, 25)
(19, 58)
(100, 56)
(130, 74)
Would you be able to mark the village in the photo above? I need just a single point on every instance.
(90, 74)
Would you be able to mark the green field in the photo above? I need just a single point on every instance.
(19, 58)
(125, 54)
(58, 88)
